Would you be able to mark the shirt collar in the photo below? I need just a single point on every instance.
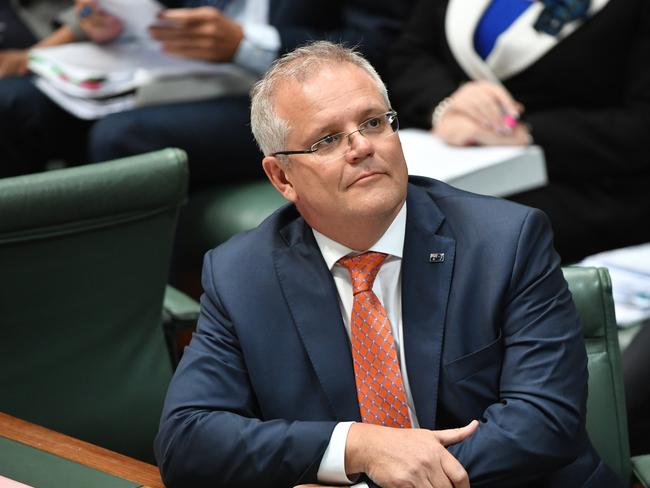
(391, 242)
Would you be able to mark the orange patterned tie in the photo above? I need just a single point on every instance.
(380, 389)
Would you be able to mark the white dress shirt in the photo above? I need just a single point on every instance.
(261, 42)
(387, 287)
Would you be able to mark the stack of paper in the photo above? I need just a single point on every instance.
(498, 171)
(629, 269)
(91, 80)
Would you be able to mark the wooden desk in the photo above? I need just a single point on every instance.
(82, 452)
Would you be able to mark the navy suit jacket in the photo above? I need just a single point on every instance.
(490, 333)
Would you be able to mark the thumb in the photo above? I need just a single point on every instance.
(452, 436)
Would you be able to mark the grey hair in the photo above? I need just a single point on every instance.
(271, 131)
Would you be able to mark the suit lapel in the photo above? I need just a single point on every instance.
(425, 293)
(311, 296)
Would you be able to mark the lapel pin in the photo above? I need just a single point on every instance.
(437, 257)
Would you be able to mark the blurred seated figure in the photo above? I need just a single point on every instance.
(214, 131)
(28, 23)
(572, 77)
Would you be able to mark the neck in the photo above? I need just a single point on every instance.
(361, 234)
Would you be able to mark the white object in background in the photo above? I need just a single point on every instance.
(629, 269)
(85, 78)
(136, 16)
(489, 170)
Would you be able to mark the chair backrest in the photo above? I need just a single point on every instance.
(606, 418)
(84, 259)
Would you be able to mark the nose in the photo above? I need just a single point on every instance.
(360, 147)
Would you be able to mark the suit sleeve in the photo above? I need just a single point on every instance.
(212, 432)
(538, 424)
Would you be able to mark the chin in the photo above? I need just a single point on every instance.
(379, 203)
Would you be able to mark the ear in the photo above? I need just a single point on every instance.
(276, 171)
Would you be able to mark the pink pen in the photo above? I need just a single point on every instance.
(509, 121)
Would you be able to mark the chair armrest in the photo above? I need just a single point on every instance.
(179, 316)
(179, 307)
(641, 468)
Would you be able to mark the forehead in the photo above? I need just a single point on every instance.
(334, 92)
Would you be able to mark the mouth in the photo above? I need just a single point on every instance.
(366, 177)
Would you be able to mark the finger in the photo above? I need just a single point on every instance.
(452, 436)
(191, 53)
(183, 33)
(438, 479)
(478, 104)
(458, 129)
(454, 471)
(489, 110)
(503, 97)
(189, 16)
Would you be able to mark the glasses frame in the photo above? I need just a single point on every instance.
(391, 116)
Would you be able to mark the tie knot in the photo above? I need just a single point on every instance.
(363, 269)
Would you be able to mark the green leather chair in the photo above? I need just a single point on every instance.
(606, 418)
(214, 215)
(84, 261)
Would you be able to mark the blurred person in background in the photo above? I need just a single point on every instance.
(32, 23)
(214, 132)
(570, 76)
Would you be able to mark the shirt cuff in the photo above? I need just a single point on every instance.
(332, 464)
(259, 47)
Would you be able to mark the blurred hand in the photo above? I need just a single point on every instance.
(486, 103)
(202, 33)
(13, 62)
(458, 129)
(406, 457)
(97, 24)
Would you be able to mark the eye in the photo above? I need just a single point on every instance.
(374, 123)
(327, 142)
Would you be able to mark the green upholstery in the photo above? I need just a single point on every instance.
(606, 418)
(214, 215)
(84, 257)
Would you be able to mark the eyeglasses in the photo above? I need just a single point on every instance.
(336, 145)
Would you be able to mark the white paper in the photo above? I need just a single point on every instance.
(490, 170)
(136, 15)
(629, 269)
(121, 66)
(86, 108)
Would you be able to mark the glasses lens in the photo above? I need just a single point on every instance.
(336, 145)
(329, 145)
(382, 125)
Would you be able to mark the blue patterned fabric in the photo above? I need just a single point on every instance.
(499, 15)
(558, 12)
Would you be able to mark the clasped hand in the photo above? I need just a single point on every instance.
(396, 458)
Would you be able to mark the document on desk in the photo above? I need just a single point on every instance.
(7, 483)
(498, 171)
(629, 269)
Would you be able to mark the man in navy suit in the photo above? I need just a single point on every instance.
(480, 320)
